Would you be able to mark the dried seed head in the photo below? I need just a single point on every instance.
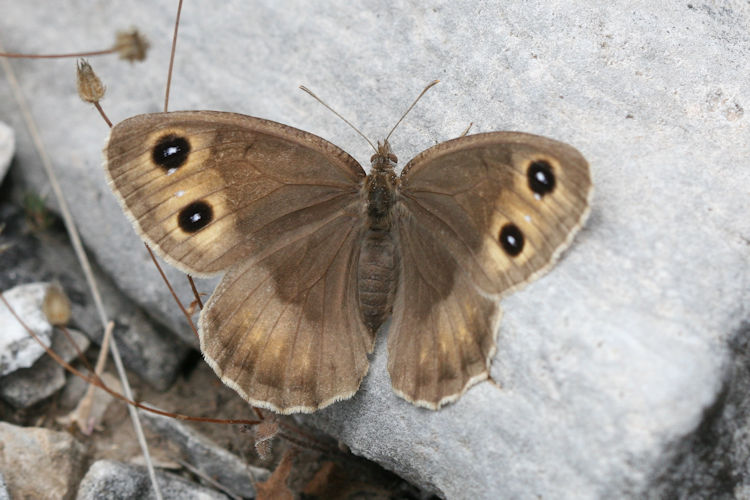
(90, 88)
(131, 45)
(56, 305)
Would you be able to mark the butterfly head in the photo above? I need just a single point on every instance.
(384, 159)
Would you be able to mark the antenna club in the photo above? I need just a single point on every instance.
(428, 87)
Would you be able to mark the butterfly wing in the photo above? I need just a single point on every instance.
(285, 331)
(476, 217)
(277, 208)
(207, 189)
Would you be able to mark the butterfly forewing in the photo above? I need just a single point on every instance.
(208, 189)
(484, 195)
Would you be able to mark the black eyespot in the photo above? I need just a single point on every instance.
(195, 216)
(171, 151)
(541, 178)
(511, 238)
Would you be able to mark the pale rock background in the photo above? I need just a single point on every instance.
(17, 348)
(7, 148)
(624, 370)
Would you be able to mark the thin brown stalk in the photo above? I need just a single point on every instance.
(79, 354)
(171, 290)
(195, 291)
(171, 56)
(12, 55)
(101, 112)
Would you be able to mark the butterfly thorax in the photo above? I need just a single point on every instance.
(378, 260)
(380, 188)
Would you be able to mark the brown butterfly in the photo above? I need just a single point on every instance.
(317, 254)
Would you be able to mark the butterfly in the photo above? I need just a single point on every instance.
(317, 254)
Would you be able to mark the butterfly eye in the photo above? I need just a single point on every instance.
(541, 178)
(393, 157)
(171, 152)
(195, 216)
(511, 239)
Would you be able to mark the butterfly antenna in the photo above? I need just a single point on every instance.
(428, 87)
(171, 56)
(302, 87)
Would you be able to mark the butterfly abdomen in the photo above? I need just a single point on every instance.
(377, 277)
(377, 274)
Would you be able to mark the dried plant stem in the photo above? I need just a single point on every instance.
(84, 407)
(11, 55)
(171, 56)
(171, 290)
(166, 108)
(82, 259)
(80, 355)
(101, 112)
(195, 291)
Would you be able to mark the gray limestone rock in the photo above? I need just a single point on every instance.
(110, 480)
(609, 365)
(146, 348)
(39, 463)
(713, 461)
(4, 495)
(62, 345)
(28, 386)
(17, 348)
(226, 468)
(7, 148)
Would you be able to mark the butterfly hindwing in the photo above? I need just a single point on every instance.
(285, 332)
(443, 329)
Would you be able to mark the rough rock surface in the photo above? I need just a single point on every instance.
(4, 495)
(146, 348)
(216, 462)
(39, 463)
(610, 365)
(7, 148)
(17, 348)
(110, 479)
(713, 461)
(27, 386)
